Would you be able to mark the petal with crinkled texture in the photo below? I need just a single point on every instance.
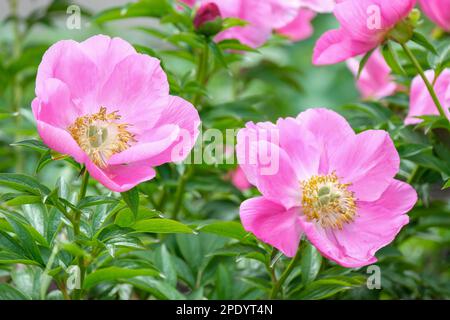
(271, 223)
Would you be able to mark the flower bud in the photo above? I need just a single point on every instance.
(208, 20)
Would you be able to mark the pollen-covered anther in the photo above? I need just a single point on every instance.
(101, 136)
(327, 201)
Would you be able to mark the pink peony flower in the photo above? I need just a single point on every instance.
(438, 11)
(300, 28)
(239, 179)
(262, 17)
(375, 81)
(364, 25)
(208, 12)
(332, 185)
(421, 103)
(110, 109)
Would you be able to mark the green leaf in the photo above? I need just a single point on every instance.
(24, 183)
(446, 185)
(25, 237)
(23, 199)
(8, 292)
(159, 289)
(115, 274)
(142, 8)
(229, 229)
(126, 218)
(441, 60)
(392, 59)
(96, 201)
(166, 264)
(325, 288)
(131, 198)
(310, 263)
(363, 62)
(421, 40)
(161, 226)
(32, 144)
(233, 44)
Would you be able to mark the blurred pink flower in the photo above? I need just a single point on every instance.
(364, 25)
(239, 179)
(375, 81)
(438, 11)
(421, 103)
(320, 6)
(300, 28)
(332, 185)
(110, 109)
(262, 17)
(206, 13)
(188, 2)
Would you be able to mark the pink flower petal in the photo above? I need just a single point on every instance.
(239, 180)
(121, 178)
(66, 61)
(375, 81)
(337, 45)
(106, 53)
(301, 147)
(375, 226)
(318, 5)
(272, 224)
(368, 162)
(438, 11)
(138, 89)
(329, 129)
(421, 103)
(300, 28)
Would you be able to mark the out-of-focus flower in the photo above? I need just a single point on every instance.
(110, 109)
(438, 11)
(208, 19)
(300, 28)
(321, 6)
(364, 25)
(421, 103)
(332, 185)
(239, 179)
(375, 80)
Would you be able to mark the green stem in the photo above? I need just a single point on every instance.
(16, 83)
(424, 78)
(277, 285)
(78, 293)
(202, 71)
(180, 192)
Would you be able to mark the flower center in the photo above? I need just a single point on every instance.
(327, 201)
(100, 135)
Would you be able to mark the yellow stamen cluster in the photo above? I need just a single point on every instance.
(327, 201)
(100, 136)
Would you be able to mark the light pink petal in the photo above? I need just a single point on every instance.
(337, 45)
(438, 11)
(153, 143)
(368, 162)
(300, 28)
(121, 178)
(54, 105)
(60, 140)
(356, 17)
(67, 62)
(375, 80)
(318, 5)
(268, 167)
(272, 224)
(301, 147)
(138, 90)
(181, 113)
(329, 129)
(106, 52)
(282, 12)
(375, 226)
(421, 103)
(239, 180)
(257, 13)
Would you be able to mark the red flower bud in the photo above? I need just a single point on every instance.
(208, 19)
